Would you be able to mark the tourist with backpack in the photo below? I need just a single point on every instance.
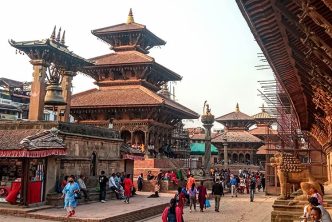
(252, 187)
(172, 213)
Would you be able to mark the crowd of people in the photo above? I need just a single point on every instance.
(71, 187)
(190, 193)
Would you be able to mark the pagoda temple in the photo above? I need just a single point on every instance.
(242, 145)
(265, 132)
(129, 83)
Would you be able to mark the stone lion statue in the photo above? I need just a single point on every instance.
(291, 171)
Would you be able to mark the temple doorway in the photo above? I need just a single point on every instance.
(235, 158)
(126, 136)
(138, 138)
(241, 158)
(247, 156)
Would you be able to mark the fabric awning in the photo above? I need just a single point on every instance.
(199, 149)
(32, 153)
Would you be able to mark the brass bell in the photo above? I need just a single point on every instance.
(53, 95)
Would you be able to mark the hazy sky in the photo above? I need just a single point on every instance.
(208, 43)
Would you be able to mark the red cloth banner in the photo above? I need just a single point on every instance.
(34, 192)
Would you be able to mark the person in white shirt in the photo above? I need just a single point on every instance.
(112, 185)
(83, 188)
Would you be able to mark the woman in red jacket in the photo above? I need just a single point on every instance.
(128, 185)
(172, 213)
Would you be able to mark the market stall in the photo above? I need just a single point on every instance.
(23, 164)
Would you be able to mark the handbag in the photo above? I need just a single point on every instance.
(207, 203)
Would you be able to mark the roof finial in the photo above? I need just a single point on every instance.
(53, 33)
(63, 37)
(263, 108)
(58, 36)
(237, 109)
(130, 18)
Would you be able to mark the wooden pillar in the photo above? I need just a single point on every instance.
(66, 85)
(251, 157)
(146, 143)
(38, 90)
(25, 181)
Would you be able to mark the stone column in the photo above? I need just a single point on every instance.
(207, 155)
(38, 90)
(225, 154)
(66, 85)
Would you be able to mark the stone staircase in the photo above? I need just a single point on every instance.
(284, 212)
(54, 199)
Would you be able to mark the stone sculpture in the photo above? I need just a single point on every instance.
(291, 170)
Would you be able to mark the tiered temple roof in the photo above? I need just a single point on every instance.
(126, 96)
(129, 35)
(236, 120)
(128, 77)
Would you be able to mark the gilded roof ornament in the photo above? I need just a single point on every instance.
(58, 36)
(53, 33)
(263, 108)
(63, 37)
(130, 18)
(237, 108)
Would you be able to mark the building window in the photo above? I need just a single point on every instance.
(46, 117)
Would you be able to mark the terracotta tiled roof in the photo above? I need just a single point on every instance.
(132, 58)
(263, 131)
(237, 115)
(262, 115)
(10, 139)
(127, 27)
(32, 143)
(119, 27)
(12, 83)
(125, 57)
(201, 136)
(263, 150)
(126, 96)
(236, 137)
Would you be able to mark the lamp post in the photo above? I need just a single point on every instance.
(207, 119)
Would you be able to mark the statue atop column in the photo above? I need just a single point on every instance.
(207, 119)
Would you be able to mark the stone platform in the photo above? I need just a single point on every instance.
(140, 207)
(155, 166)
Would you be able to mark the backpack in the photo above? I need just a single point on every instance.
(170, 216)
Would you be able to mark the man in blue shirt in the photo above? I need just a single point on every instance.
(233, 183)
